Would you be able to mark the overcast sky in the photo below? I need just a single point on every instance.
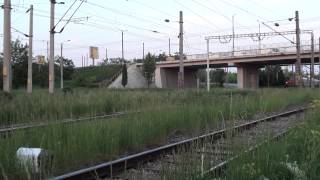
(101, 22)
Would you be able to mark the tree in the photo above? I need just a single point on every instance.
(68, 67)
(19, 53)
(218, 76)
(149, 66)
(161, 57)
(272, 76)
(124, 75)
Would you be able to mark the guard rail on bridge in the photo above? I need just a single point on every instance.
(272, 51)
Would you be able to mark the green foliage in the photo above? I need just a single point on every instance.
(218, 76)
(40, 73)
(232, 77)
(19, 54)
(91, 76)
(300, 149)
(68, 67)
(124, 81)
(272, 76)
(160, 57)
(164, 112)
(149, 66)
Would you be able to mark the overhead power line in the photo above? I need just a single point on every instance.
(65, 13)
(242, 9)
(203, 18)
(213, 10)
(82, 1)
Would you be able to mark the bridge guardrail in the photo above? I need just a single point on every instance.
(251, 53)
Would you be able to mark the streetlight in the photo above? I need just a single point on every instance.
(61, 64)
(181, 67)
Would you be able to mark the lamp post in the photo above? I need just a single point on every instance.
(61, 64)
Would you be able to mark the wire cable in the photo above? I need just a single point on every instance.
(203, 18)
(82, 1)
(64, 14)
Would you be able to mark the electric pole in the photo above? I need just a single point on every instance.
(169, 47)
(312, 62)
(259, 37)
(106, 54)
(143, 51)
(233, 34)
(122, 60)
(181, 68)
(7, 46)
(208, 66)
(29, 83)
(61, 67)
(298, 63)
(51, 58)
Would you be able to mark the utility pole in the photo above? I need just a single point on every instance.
(259, 37)
(181, 68)
(87, 59)
(298, 63)
(29, 83)
(169, 47)
(7, 46)
(312, 62)
(51, 59)
(106, 54)
(122, 59)
(47, 51)
(143, 51)
(319, 65)
(61, 67)
(208, 66)
(233, 34)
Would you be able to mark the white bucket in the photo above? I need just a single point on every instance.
(36, 159)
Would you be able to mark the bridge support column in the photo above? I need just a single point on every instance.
(168, 78)
(248, 76)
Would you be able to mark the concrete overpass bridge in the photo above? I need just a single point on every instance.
(247, 63)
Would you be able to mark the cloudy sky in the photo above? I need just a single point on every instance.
(100, 22)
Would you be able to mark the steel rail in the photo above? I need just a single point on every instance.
(115, 167)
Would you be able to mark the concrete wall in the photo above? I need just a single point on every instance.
(248, 76)
(168, 78)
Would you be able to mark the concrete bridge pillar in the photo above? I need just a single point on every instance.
(248, 76)
(168, 78)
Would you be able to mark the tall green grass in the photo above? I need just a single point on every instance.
(300, 149)
(190, 112)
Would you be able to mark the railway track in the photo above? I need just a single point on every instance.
(210, 152)
(9, 129)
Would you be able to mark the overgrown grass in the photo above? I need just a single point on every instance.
(40, 106)
(90, 76)
(297, 156)
(78, 145)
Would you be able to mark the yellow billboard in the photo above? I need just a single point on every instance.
(94, 52)
(41, 59)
